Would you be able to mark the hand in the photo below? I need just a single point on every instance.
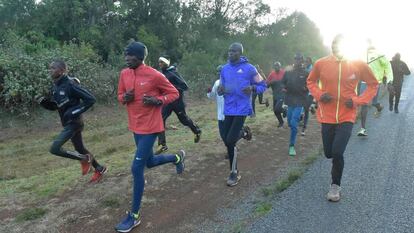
(220, 90)
(325, 98)
(209, 90)
(349, 103)
(151, 100)
(129, 96)
(249, 89)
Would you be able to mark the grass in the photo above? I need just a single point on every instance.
(111, 202)
(263, 208)
(31, 214)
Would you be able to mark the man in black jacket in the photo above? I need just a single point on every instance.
(71, 100)
(177, 106)
(294, 82)
(399, 69)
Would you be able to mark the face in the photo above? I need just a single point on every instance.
(299, 62)
(132, 61)
(162, 65)
(234, 53)
(277, 67)
(55, 71)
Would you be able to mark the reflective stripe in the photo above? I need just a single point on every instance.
(339, 91)
(63, 103)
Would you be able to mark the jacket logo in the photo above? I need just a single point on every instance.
(143, 83)
(61, 93)
(352, 77)
(240, 71)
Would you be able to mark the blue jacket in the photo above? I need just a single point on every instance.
(235, 77)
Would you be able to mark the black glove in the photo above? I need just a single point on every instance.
(249, 89)
(349, 103)
(220, 90)
(325, 98)
(129, 96)
(151, 100)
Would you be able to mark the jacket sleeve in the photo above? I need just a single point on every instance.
(312, 82)
(178, 81)
(121, 89)
(48, 104)
(258, 82)
(168, 92)
(87, 100)
(406, 71)
(366, 75)
(213, 93)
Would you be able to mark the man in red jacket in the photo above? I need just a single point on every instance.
(335, 93)
(144, 90)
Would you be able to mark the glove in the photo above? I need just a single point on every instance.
(325, 98)
(220, 90)
(249, 89)
(349, 103)
(129, 96)
(151, 100)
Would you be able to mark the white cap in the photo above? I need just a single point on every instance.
(165, 60)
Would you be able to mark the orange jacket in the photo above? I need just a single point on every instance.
(145, 119)
(340, 78)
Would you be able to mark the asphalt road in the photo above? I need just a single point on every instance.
(377, 185)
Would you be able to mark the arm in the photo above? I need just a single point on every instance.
(387, 69)
(213, 93)
(121, 89)
(366, 75)
(47, 103)
(258, 82)
(312, 83)
(168, 92)
(87, 100)
(406, 71)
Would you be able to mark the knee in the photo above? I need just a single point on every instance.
(150, 164)
(137, 168)
(54, 149)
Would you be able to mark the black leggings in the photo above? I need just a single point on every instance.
(335, 138)
(178, 107)
(232, 132)
(396, 94)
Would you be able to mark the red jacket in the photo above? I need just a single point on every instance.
(340, 78)
(273, 76)
(145, 119)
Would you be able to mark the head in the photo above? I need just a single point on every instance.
(397, 57)
(235, 52)
(277, 66)
(163, 63)
(57, 68)
(135, 54)
(218, 69)
(298, 60)
(338, 46)
(308, 61)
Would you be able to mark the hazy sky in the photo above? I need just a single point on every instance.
(389, 24)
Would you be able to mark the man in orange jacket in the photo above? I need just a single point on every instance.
(338, 101)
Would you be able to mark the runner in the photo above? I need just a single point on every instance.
(212, 94)
(71, 100)
(178, 106)
(143, 91)
(296, 94)
(381, 68)
(399, 69)
(274, 80)
(239, 79)
(338, 102)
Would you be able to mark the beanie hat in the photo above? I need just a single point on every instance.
(136, 49)
(165, 60)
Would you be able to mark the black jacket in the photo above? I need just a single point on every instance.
(399, 69)
(175, 79)
(69, 98)
(294, 81)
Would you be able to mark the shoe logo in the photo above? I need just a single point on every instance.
(240, 71)
(138, 158)
(61, 92)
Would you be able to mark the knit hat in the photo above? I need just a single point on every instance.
(165, 60)
(136, 49)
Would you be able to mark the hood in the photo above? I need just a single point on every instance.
(242, 60)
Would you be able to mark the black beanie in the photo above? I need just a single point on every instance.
(136, 49)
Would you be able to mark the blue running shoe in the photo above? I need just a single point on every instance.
(128, 222)
(180, 165)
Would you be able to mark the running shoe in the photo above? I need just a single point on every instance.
(334, 193)
(362, 132)
(128, 222)
(233, 179)
(247, 133)
(197, 137)
(86, 164)
(292, 151)
(161, 149)
(180, 164)
(97, 175)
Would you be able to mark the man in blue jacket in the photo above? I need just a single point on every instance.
(239, 79)
(71, 100)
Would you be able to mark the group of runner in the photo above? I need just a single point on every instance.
(151, 96)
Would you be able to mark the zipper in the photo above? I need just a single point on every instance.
(320, 105)
(339, 92)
